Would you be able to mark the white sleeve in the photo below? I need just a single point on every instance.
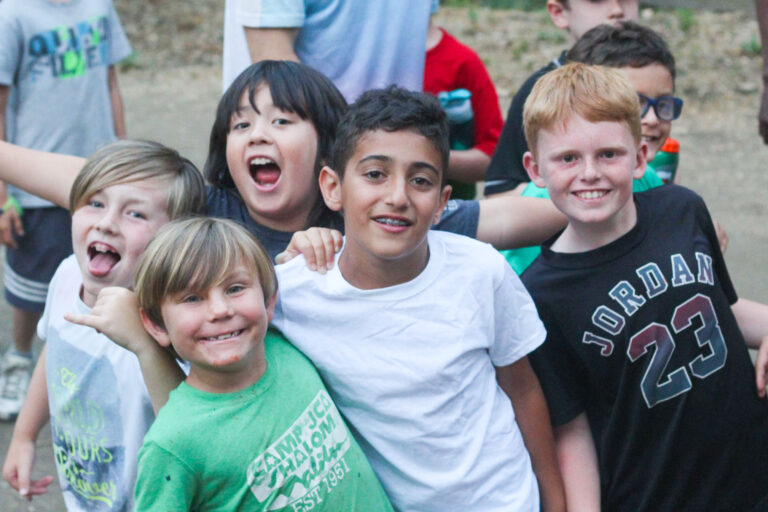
(42, 324)
(517, 327)
(270, 13)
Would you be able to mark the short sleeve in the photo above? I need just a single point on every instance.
(119, 47)
(163, 482)
(271, 13)
(460, 217)
(704, 219)
(11, 44)
(517, 327)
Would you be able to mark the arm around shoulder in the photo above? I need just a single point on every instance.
(510, 221)
(752, 318)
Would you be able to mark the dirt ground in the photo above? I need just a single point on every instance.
(172, 86)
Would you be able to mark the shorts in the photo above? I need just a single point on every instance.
(28, 269)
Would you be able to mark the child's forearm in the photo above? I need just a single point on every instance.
(510, 221)
(532, 415)
(468, 165)
(161, 372)
(578, 464)
(752, 318)
(46, 175)
(34, 413)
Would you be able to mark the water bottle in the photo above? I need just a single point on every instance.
(458, 107)
(666, 160)
(461, 122)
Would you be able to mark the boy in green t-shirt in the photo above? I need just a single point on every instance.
(252, 427)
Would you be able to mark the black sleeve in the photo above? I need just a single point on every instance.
(506, 171)
(718, 263)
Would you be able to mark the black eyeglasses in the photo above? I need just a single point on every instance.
(667, 108)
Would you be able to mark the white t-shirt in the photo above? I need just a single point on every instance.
(411, 367)
(358, 44)
(100, 408)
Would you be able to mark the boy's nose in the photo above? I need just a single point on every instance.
(617, 9)
(259, 133)
(398, 193)
(107, 223)
(590, 171)
(219, 305)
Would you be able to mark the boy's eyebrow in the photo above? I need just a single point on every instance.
(386, 159)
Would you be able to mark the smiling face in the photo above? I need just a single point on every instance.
(271, 156)
(583, 15)
(588, 170)
(390, 195)
(653, 81)
(111, 230)
(220, 331)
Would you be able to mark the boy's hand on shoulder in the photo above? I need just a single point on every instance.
(318, 245)
(17, 468)
(722, 236)
(116, 315)
(761, 367)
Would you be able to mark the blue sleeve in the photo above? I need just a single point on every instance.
(119, 47)
(271, 13)
(460, 217)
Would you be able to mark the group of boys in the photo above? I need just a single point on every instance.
(422, 337)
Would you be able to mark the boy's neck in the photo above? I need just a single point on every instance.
(582, 237)
(366, 272)
(223, 381)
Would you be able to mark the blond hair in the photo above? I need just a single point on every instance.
(193, 255)
(596, 93)
(127, 161)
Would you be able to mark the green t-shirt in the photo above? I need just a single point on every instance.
(279, 445)
(520, 259)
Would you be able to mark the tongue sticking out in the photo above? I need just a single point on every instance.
(102, 262)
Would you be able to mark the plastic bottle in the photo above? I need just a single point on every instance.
(458, 106)
(666, 160)
(461, 119)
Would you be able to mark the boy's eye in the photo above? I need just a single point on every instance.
(136, 215)
(235, 288)
(281, 121)
(569, 158)
(190, 299)
(93, 203)
(609, 153)
(240, 125)
(373, 174)
(421, 181)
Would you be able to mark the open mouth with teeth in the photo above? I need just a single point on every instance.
(590, 194)
(101, 258)
(223, 337)
(264, 172)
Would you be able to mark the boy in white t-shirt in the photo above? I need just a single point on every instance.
(421, 337)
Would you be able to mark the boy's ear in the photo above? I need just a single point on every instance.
(558, 14)
(154, 330)
(270, 306)
(330, 188)
(641, 160)
(445, 195)
(529, 162)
